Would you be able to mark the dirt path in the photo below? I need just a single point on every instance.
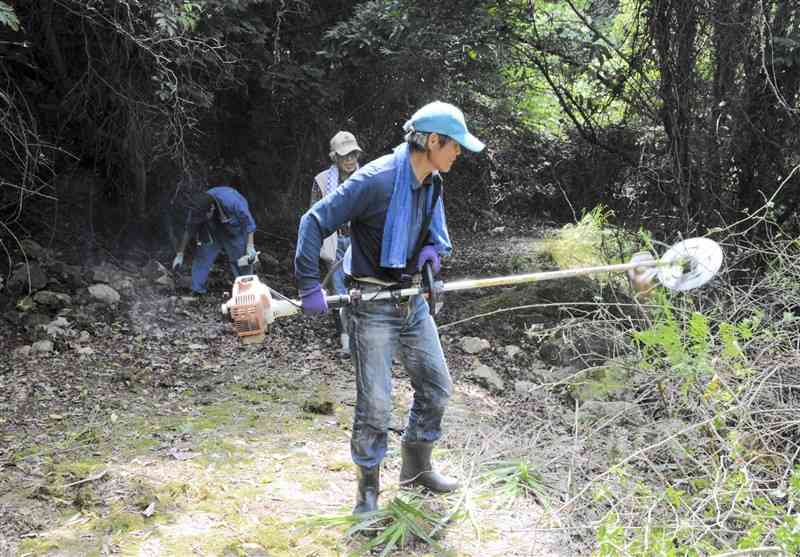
(173, 439)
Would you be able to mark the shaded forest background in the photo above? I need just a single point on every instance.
(680, 115)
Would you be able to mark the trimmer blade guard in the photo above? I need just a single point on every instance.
(250, 309)
(696, 261)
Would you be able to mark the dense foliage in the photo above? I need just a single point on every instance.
(131, 99)
(697, 104)
(656, 111)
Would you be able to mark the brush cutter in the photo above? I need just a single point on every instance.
(253, 306)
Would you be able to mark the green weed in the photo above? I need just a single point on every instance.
(508, 480)
(404, 519)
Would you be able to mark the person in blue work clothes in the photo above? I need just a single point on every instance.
(219, 219)
(344, 155)
(397, 225)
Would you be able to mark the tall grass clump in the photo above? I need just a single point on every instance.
(593, 240)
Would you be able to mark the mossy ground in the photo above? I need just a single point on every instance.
(219, 479)
(199, 478)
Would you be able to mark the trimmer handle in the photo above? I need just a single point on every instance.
(429, 284)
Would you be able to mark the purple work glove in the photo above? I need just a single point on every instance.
(313, 299)
(429, 253)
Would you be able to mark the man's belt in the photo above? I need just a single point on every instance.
(366, 288)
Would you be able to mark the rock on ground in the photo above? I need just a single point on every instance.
(488, 377)
(52, 300)
(42, 346)
(511, 351)
(19, 278)
(104, 293)
(473, 345)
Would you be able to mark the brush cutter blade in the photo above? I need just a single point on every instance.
(694, 262)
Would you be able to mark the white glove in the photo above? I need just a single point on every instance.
(248, 258)
(178, 261)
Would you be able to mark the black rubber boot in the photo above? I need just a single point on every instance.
(417, 469)
(369, 485)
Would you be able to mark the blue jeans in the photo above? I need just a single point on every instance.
(337, 279)
(205, 254)
(378, 331)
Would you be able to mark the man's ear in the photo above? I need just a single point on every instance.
(433, 139)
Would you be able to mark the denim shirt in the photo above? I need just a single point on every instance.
(237, 219)
(363, 199)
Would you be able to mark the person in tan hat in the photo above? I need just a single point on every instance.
(344, 155)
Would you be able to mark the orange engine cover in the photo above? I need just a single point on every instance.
(250, 308)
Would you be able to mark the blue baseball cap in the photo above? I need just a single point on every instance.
(446, 119)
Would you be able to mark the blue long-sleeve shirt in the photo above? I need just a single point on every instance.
(363, 199)
(238, 219)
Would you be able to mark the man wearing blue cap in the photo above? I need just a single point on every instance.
(397, 225)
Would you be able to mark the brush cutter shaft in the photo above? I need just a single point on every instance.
(285, 307)
(469, 284)
(686, 265)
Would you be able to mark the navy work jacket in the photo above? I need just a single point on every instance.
(363, 199)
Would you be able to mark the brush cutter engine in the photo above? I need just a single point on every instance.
(252, 309)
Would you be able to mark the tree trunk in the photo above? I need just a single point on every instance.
(674, 29)
(136, 155)
(766, 123)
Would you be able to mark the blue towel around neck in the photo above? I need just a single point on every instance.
(394, 248)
